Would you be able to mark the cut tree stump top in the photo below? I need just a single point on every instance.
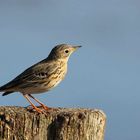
(17, 123)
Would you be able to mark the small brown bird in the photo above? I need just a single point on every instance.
(42, 76)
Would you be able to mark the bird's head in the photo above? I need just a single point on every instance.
(62, 51)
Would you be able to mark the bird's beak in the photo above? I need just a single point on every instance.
(76, 47)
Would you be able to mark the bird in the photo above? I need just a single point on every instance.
(42, 76)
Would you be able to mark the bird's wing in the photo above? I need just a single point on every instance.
(37, 73)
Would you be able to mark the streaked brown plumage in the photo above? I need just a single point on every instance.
(42, 76)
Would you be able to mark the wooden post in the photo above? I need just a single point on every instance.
(17, 123)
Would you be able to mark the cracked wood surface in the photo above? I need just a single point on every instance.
(17, 123)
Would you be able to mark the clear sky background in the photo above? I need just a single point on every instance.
(103, 74)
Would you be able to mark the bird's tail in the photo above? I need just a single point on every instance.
(6, 93)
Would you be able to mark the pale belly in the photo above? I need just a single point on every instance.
(40, 89)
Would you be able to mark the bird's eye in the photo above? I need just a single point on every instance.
(66, 51)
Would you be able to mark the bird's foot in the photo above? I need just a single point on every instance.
(41, 109)
(35, 109)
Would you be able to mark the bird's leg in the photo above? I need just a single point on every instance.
(37, 109)
(44, 106)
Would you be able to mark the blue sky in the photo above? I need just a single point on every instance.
(103, 74)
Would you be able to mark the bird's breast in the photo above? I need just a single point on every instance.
(55, 78)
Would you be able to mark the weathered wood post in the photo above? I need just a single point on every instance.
(16, 123)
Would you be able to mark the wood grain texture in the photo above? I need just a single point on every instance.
(17, 123)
